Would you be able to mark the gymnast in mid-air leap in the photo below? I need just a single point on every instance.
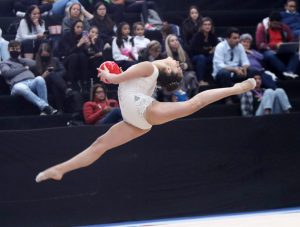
(140, 111)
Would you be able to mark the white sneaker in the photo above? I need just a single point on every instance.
(290, 74)
(274, 77)
(20, 14)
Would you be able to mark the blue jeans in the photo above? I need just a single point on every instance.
(58, 7)
(276, 63)
(33, 90)
(113, 116)
(202, 63)
(275, 100)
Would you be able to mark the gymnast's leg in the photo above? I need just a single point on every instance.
(162, 112)
(117, 135)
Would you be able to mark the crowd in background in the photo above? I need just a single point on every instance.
(59, 45)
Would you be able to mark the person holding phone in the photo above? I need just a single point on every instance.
(53, 71)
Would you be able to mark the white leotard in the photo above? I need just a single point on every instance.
(135, 97)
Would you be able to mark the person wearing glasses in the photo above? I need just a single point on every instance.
(230, 62)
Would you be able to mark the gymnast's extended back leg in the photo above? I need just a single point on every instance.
(117, 135)
(162, 112)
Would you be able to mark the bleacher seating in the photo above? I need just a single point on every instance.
(14, 110)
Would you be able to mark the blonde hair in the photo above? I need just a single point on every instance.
(181, 52)
(68, 11)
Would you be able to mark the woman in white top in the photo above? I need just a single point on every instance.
(31, 31)
(140, 111)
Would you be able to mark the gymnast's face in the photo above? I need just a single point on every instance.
(173, 67)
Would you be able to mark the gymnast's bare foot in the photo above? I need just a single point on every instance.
(48, 174)
(245, 86)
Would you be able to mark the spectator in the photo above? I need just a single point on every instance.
(31, 31)
(174, 49)
(270, 34)
(61, 7)
(123, 49)
(140, 42)
(152, 52)
(4, 54)
(291, 18)
(18, 75)
(74, 14)
(73, 52)
(95, 49)
(191, 25)
(53, 71)
(263, 102)
(230, 62)
(101, 110)
(255, 58)
(202, 46)
(103, 22)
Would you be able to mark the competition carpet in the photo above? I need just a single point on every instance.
(273, 218)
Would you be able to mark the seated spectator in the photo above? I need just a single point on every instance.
(60, 7)
(74, 13)
(174, 49)
(263, 102)
(21, 6)
(18, 75)
(190, 25)
(152, 52)
(202, 48)
(4, 54)
(53, 71)
(31, 31)
(270, 34)
(140, 42)
(73, 53)
(255, 58)
(230, 62)
(291, 18)
(103, 22)
(101, 110)
(95, 51)
(123, 50)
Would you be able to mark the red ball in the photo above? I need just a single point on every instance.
(112, 67)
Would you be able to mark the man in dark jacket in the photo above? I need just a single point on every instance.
(17, 74)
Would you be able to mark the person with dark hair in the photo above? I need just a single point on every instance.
(191, 25)
(270, 34)
(31, 31)
(123, 50)
(53, 71)
(140, 111)
(260, 101)
(202, 49)
(73, 52)
(101, 110)
(291, 17)
(103, 22)
(230, 62)
(18, 75)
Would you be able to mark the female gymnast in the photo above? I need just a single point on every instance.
(140, 111)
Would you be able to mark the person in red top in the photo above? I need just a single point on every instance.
(270, 34)
(101, 110)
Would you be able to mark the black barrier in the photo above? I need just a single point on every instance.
(183, 168)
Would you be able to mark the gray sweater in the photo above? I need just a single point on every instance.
(14, 72)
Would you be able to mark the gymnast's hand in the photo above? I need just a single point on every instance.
(107, 77)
